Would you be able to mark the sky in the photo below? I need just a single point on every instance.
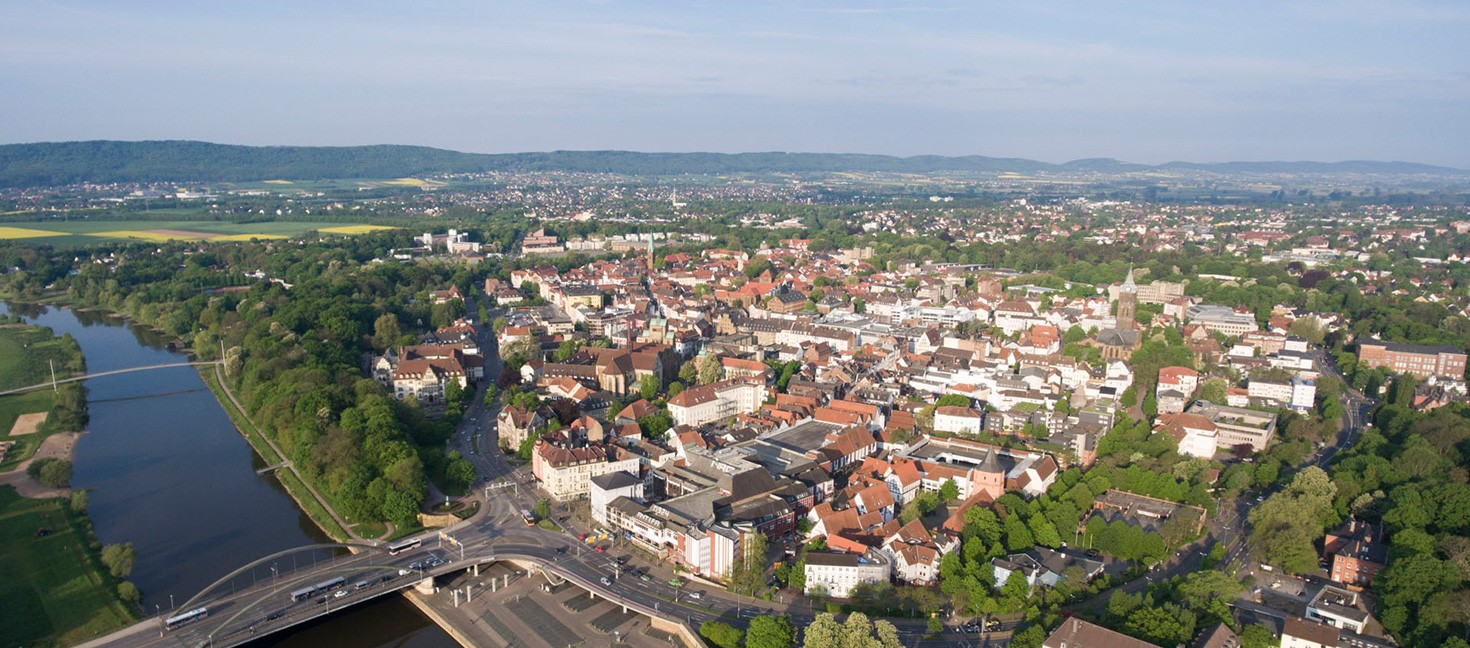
(1146, 82)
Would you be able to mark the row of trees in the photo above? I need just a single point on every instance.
(295, 355)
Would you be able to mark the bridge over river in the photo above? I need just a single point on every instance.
(114, 372)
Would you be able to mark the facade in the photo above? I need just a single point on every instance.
(566, 472)
(1422, 361)
(697, 406)
(1128, 304)
(1222, 319)
(1357, 552)
(958, 420)
(608, 487)
(837, 574)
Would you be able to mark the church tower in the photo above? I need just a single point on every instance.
(1128, 304)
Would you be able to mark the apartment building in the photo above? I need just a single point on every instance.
(1422, 361)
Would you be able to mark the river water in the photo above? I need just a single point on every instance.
(165, 470)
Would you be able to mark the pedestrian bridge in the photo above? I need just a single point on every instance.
(114, 372)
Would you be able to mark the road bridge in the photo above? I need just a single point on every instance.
(114, 372)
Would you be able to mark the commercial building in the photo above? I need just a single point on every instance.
(1222, 319)
(1422, 361)
(697, 406)
(836, 574)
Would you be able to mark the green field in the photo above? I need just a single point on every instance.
(83, 232)
(24, 352)
(12, 407)
(55, 590)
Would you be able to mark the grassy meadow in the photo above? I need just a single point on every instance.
(55, 591)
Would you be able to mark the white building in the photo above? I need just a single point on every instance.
(836, 574)
(608, 487)
(697, 406)
(958, 420)
(1303, 393)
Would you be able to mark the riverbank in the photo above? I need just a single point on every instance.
(56, 592)
(305, 498)
(61, 445)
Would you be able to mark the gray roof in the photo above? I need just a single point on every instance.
(615, 480)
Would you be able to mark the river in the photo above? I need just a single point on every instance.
(166, 470)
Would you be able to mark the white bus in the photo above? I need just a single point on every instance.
(185, 618)
(402, 546)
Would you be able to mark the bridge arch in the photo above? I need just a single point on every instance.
(259, 562)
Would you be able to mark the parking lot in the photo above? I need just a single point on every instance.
(531, 613)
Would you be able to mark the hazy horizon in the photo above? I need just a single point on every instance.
(1142, 82)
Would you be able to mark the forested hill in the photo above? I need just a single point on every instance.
(58, 163)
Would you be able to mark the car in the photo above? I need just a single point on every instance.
(387, 578)
(274, 615)
(361, 585)
(696, 595)
(339, 593)
(417, 564)
(645, 577)
(561, 550)
(606, 581)
(622, 559)
(601, 549)
(676, 582)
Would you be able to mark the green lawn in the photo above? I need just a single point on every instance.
(54, 590)
(24, 352)
(10, 408)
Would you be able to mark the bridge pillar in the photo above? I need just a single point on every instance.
(425, 586)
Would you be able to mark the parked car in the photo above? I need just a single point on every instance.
(606, 581)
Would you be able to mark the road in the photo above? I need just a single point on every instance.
(1229, 527)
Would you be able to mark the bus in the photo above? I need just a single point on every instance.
(402, 546)
(308, 592)
(530, 519)
(187, 617)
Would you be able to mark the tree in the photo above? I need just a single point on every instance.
(656, 425)
(1214, 390)
(721, 634)
(128, 592)
(823, 632)
(499, 325)
(543, 509)
(710, 370)
(1129, 397)
(1258, 636)
(948, 491)
(689, 373)
(118, 559)
(771, 632)
(386, 331)
(79, 501)
(648, 387)
(757, 266)
(51, 471)
(675, 388)
(748, 573)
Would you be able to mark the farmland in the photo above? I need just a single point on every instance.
(72, 233)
